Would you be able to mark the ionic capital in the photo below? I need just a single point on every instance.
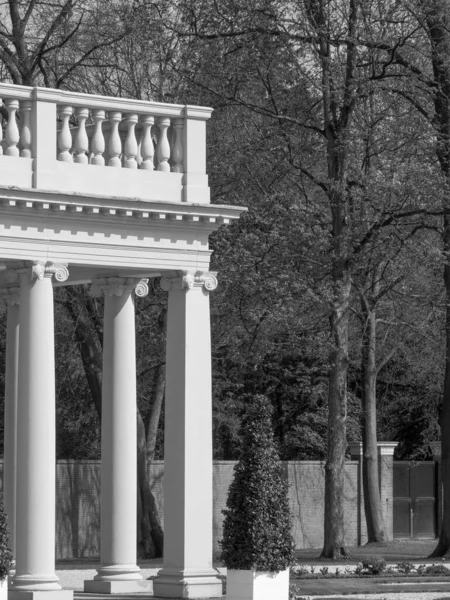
(117, 286)
(10, 295)
(39, 270)
(187, 280)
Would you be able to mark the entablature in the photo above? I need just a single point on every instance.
(103, 232)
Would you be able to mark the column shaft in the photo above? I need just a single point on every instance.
(10, 428)
(35, 510)
(118, 571)
(188, 568)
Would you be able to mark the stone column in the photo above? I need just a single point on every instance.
(386, 470)
(356, 450)
(35, 509)
(188, 570)
(11, 295)
(118, 572)
(436, 449)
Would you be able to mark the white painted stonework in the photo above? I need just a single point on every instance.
(257, 585)
(4, 589)
(111, 204)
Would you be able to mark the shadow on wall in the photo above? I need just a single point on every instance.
(78, 503)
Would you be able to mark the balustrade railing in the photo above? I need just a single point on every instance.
(82, 143)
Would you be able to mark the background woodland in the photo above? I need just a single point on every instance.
(331, 124)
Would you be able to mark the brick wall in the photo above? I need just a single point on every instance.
(77, 508)
(78, 503)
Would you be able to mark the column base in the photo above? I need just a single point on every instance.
(118, 587)
(40, 594)
(188, 583)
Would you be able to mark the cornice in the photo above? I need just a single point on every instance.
(101, 207)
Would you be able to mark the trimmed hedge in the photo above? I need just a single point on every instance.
(5, 552)
(257, 526)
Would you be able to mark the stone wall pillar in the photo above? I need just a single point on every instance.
(436, 449)
(11, 295)
(356, 453)
(188, 570)
(35, 502)
(118, 572)
(386, 474)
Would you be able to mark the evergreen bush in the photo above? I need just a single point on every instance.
(5, 552)
(257, 525)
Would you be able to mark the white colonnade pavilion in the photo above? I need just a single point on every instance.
(107, 192)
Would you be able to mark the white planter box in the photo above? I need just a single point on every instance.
(4, 589)
(257, 585)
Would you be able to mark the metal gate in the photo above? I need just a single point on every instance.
(415, 505)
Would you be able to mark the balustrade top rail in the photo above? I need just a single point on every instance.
(97, 145)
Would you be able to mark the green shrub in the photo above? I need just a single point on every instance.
(5, 552)
(405, 567)
(421, 569)
(436, 570)
(298, 571)
(257, 525)
(373, 564)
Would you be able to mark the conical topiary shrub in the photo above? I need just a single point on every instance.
(257, 526)
(5, 552)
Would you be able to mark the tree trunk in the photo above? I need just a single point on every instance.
(334, 545)
(336, 131)
(371, 486)
(443, 545)
(90, 353)
(155, 414)
(436, 13)
(150, 534)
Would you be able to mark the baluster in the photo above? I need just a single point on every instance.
(98, 139)
(115, 144)
(147, 149)
(130, 146)
(64, 135)
(177, 148)
(163, 146)
(1, 133)
(81, 138)
(25, 133)
(12, 136)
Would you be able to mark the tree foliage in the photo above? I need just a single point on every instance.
(331, 126)
(6, 556)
